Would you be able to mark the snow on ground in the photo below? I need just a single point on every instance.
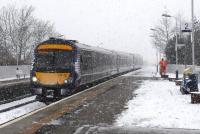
(12, 78)
(7, 79)
(18, 102)
(160, 104)
(12, 114)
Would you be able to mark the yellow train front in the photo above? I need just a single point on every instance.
(53, 73)
(59, 66)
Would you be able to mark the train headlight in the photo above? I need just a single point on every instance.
(67, 81)
(34, 79)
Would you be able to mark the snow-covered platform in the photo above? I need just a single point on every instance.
(160, 104)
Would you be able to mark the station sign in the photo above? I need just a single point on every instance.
(186, 27)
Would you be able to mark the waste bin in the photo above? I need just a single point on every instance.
(194, 82)
(190, 84)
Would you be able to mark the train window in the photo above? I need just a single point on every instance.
(54, 58)
(63, 58)
(86, 60)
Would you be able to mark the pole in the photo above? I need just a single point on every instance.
(17, 57)
(192, 13)
(176, 49)
(156, 61)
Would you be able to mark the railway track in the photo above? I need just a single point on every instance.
(16, 106)
(15, 112)
(15, 99)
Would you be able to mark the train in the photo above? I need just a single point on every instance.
(60, 66)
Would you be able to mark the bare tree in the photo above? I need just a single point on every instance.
(24, 29)
(20, 31)
(162, 33)
(41, 31)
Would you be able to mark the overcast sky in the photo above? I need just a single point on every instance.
(114, 24)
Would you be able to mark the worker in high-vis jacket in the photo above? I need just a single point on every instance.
(163, 67)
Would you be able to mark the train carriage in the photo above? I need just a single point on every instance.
(59, 66)
(95, 63)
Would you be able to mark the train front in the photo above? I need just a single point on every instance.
(52, 74)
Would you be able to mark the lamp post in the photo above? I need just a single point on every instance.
(176, 50)
(167, 15)
(17, 56)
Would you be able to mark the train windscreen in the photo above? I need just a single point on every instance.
(53, 58)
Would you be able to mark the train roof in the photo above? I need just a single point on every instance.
(75, 44)
(82, 46)
(58, 41)
(93, 48)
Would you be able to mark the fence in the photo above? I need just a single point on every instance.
(10, 71)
